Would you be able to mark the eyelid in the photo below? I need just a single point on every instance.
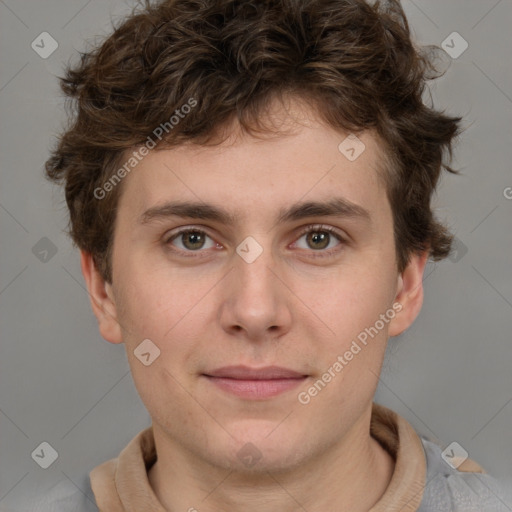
(322, 227)
(174, 233)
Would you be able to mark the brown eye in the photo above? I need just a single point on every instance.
(319, 238)
(191, 240)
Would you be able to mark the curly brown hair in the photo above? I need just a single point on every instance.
(353, 61)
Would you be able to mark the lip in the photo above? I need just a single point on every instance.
(247, 373)
(255, 383)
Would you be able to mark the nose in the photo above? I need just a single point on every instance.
(256, 303)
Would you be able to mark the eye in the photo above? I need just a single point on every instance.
(319, 238)
(191, 240)
(322, 240)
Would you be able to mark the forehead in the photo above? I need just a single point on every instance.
(244, 176)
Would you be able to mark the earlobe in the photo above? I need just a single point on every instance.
(102, 300)
(409, 294)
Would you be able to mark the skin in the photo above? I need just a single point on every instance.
(287, 308)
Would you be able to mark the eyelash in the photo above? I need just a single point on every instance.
(305, 231)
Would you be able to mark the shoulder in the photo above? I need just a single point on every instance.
(466, 489)
(62, 496)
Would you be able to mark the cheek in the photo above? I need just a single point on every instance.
(349, 300)
(155, 301)
(174, 311)
(350, 355)
(168, 316)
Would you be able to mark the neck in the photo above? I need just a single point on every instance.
(352, 475)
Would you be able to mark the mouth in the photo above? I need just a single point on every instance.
(255, 383)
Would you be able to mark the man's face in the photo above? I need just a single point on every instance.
(267, 286)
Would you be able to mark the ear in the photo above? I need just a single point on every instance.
(409, 294)
(102, 301)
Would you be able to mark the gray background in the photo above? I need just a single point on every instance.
(449, 375)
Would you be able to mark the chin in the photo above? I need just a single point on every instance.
(262, 446)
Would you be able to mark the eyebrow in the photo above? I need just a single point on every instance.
(336, 207)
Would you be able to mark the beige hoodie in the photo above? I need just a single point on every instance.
(121, 484)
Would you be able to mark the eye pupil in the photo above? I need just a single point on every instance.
(193, 240)
(318, 237)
